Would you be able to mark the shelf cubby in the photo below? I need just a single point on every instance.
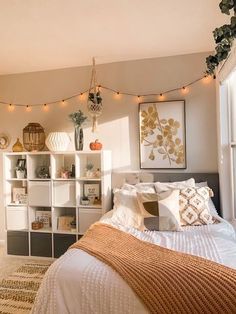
(10, 163)
(64, 212)
(35, 161)
(84, 159)
(86, 217)
(62, 162)
(64, 194)
(12, 197)
(41, 214)
(39, 193)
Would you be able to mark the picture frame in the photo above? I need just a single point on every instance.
(92, 192)
(162, 135)
(19, 196)
(21, 163)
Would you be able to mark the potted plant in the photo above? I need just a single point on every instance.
(89, 170)
(95, 107)
(78, 118)
(20, 172)
(84, 200)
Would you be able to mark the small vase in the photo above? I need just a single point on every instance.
(17, 147)
(79, 138)
(20, 174)
(58, 141)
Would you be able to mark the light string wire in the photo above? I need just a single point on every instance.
(105, 88)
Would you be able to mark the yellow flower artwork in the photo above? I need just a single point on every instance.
(161, 137)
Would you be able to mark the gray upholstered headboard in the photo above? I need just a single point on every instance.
(211, 178)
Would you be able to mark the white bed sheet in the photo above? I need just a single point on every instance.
(79, 283)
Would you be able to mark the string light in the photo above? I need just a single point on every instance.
(82, 96)
(117, 94)
(28, 108)
(206, 79)
(161, 96)
(63, 103)
(45, 108)
(184, 90)
(11, 108)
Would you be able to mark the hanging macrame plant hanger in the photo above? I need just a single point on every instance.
(94, 99)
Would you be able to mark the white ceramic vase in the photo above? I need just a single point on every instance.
(57, 141)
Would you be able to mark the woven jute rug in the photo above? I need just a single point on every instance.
(18, 291)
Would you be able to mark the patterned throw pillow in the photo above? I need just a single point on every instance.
(160, 214)
(193, 206)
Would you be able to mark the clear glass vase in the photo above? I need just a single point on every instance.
(79, 138)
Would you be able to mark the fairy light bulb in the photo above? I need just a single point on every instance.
(82, 96)
(184, 90)
(206, 79)
(117, 95)
(161, 96)
(63, 103)
(45, 108)
(28, 108)
(11, 108)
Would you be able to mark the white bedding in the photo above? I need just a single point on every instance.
(79, 283)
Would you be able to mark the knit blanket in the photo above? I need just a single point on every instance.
(165, 280)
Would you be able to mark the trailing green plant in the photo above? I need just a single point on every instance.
(78, 118)
(95, 97)
(223, 36)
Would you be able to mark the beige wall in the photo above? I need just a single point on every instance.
(118, 129)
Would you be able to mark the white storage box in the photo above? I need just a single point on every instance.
(64, 194)
(39, 193)
(17, 218)
(87, 217)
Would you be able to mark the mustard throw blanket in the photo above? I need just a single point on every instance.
(165, 280)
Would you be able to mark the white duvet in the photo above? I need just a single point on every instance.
(79, 283)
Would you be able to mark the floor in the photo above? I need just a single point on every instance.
(8, 264)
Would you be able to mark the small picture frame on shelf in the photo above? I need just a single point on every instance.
(64, 223)
(45, 217)
(92, 192)
(19, 196)
(21, 163)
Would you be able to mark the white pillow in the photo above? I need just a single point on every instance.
(165, 186)
(211, 205)
(126, 209)
(140, 187)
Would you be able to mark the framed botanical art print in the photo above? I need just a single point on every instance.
(162, 135)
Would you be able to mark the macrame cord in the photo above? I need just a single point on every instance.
(94, 108)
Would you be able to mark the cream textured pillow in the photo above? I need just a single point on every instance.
(140, 187)
(165, 186)
(211, 205)
(126, 209)
(194, 210)
(162, 215)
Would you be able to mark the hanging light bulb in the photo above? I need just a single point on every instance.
(184, 90)
(63, 103)
(11, 108)
(28, 108)
(161, 96)
(45, 108)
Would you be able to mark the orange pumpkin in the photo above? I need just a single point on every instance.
(95, 145)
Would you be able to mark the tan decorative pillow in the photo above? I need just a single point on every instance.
(160, 214)
(193, 206)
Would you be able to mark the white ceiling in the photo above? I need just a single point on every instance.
(38, 35)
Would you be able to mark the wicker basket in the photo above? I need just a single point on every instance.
(33, 137)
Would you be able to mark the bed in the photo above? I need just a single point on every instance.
(79, 283)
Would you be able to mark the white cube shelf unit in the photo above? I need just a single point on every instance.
(56, 197)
